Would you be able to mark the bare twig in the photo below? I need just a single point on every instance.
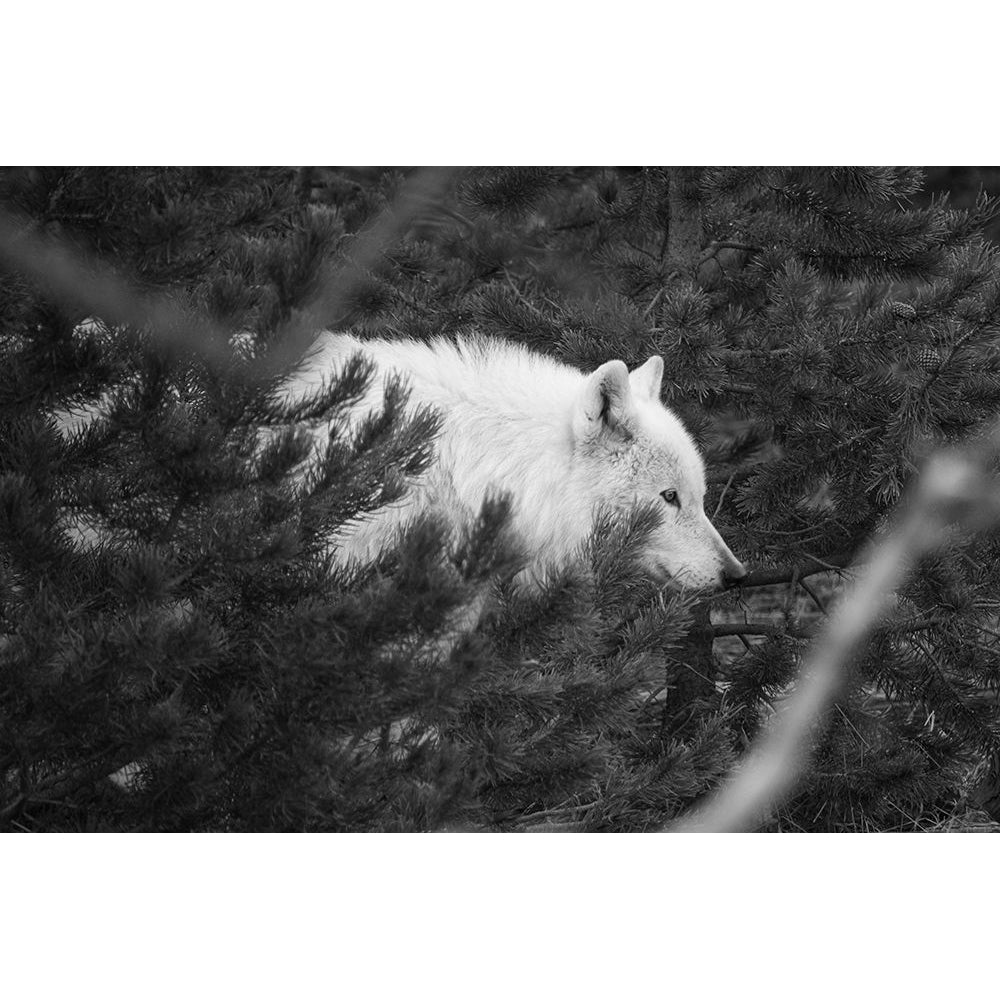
(754, 352)
(772, 628)
(722, 495)
(785, 574)
(815, 597)
(735, 477)
(756, 628)
(647, 312)
(716, 245)
(521, 298)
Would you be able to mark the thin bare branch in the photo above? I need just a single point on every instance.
(813, 595)
(722, 495)
(785, 574)
(756, 628)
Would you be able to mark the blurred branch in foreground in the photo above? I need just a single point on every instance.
(95, 286)
(329, 308)
(957, 490)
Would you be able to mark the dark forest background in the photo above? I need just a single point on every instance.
(962, 185)
(178, 651)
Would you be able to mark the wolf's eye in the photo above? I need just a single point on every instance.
(671, 497)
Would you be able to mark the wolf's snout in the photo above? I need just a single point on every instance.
(732, 571)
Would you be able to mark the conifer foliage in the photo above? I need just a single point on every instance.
(179, 650)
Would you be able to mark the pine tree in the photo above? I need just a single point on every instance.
(820, 333)
(172, 620)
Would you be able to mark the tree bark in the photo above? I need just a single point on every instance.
(685, 239)
(685, 236)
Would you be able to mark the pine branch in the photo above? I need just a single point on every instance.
(957, 489)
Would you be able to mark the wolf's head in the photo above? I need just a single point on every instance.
(628, 446)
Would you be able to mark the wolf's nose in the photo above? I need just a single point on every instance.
(731, 577)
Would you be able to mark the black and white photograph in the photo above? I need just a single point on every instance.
(522, 568)
(588, 499)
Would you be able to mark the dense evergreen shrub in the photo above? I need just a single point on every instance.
(169, 605)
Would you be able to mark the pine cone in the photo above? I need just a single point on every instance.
(928, 359)
(903, 310)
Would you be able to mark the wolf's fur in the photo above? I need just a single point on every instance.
(560, 442)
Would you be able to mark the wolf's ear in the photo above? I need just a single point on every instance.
(647, 379)
(604, 403)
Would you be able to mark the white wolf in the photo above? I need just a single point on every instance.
(561, 443)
